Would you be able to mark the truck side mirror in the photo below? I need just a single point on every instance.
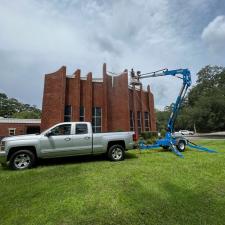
(48, 134)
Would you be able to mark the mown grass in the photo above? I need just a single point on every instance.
(147, 188)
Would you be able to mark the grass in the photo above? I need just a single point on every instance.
(147, 188)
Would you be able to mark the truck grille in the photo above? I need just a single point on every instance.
(2, 146)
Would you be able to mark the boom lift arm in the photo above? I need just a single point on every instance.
(186, 77)
(176, 144)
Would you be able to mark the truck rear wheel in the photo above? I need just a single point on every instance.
(181, 145)
(22, 159)
(116, 153)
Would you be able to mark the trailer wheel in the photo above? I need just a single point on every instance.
(181, 145)
(116, 153)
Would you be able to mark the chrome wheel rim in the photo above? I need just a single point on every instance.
(22, 161)
(181, 146)
(117, 153)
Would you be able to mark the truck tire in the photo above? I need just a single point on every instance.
(116, 153)
(181, 145)
(22, 159)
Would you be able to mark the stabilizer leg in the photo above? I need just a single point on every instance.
(142, 146)
(200, 148)
(175, 151)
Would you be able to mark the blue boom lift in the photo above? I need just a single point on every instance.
(175, 143)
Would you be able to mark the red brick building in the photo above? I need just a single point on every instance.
(109, 103)
(13, 126)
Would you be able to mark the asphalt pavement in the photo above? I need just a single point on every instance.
(214, 135)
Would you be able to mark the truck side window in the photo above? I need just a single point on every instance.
(64, 129)
(81, 128)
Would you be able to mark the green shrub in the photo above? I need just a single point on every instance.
(151, 140)
(163, 132)
(148, 135)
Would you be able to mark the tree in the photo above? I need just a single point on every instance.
(26, 115)
(206, 101)
(204, 105)
(162, 118)
(11, 107)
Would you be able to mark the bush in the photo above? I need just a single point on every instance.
(151, 141)
(163, 132)
(148, 135)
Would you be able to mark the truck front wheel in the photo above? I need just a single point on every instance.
(116, 153)
(22, 159)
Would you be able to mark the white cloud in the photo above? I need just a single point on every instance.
(214, 34)
(39, 36)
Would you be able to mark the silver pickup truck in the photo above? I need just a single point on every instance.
(62, 140)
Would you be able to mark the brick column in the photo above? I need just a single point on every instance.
(142, 112)
(105, 102)
(88, 99)
(53, 98)
(134, 109)
(151, 110)
(76, 97)
(63, 95)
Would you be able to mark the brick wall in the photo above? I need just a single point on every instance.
(53, 98)
(112, 95)
(20, 128)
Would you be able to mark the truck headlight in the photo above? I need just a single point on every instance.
(2, 145)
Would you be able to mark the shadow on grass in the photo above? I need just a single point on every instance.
(80, 159)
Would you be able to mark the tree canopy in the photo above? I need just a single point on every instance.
(11, 107)
(204, 106)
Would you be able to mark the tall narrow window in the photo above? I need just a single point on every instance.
(82, 118)
(67, 113)
(131, 120)
(139, 122)
(97, 119)
(147, 121)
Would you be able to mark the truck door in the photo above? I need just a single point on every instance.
(82, 139)
(59, 142)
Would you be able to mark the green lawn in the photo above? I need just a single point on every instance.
(147, 188)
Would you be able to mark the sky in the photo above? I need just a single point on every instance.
(39, 36)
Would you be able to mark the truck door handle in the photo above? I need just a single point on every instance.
(86, 138)
(67, 139)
